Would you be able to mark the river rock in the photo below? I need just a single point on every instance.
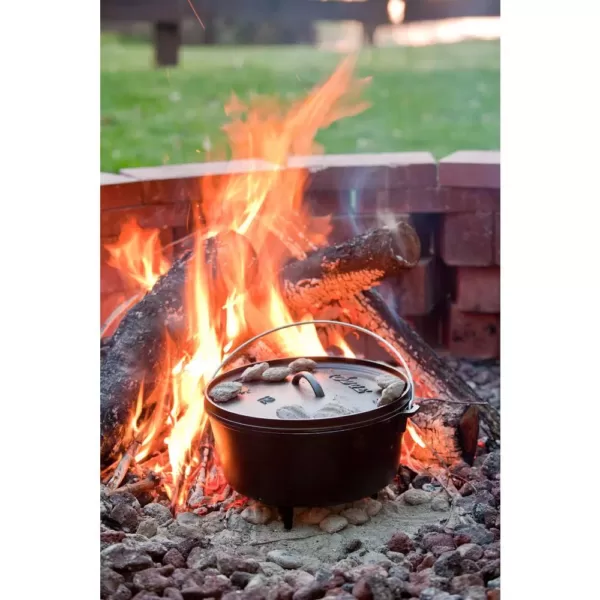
(373, 507)
(147, 527)
(460, 583)
(226, 391)
(302, 364)
(254, 372)
(298, 578)
(491, 465)
(401, 542)
(175, 558)
(257, 514)
(355, 516)
(152, 580)
(286, 560)
(313, 516)
(122, 593)
(275, 374)
(125, 558)
(159, 512)
(470, 551)
(333, 523)
(109, 581)
(333, 409)
(292, 412)
(126, 516)
(228, 564)
(392, 393)
(415, 497)
(384, 380)
(448, 564)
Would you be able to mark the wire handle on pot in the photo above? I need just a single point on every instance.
(389, 346)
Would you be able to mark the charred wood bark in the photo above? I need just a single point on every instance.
(337, 272)
(136, 351)
(433, 377)
(449, 430)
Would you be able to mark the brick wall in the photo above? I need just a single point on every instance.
(452, 296)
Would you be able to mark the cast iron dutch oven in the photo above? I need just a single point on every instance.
(315, 461)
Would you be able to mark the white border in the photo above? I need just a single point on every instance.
(50, 298)
(550, 322)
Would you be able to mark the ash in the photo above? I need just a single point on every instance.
(416, 541)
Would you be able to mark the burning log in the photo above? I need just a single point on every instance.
(136, 352)
(449, 432)
(139, 487)
(123, 466)
(434, 379)
(336, 272)
(137, 348)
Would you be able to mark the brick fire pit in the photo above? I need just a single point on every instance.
(452, 297)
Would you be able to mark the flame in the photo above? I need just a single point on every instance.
(338, 340)
(137, 255)
(412, 431)
(248, 225)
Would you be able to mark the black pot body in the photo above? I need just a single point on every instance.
(323, 467)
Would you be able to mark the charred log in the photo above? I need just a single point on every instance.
(353, 266)
(136, 350)
(433, 377)
(449, 431)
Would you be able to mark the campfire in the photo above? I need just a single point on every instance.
(259, 260)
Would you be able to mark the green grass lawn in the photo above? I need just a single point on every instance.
(438, 98)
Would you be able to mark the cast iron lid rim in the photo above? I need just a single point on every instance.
(309, 425)
(311, 429)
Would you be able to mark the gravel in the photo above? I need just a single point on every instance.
(405, 545)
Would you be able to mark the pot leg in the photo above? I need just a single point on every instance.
(287, 516)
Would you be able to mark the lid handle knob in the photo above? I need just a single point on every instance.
(314, 384)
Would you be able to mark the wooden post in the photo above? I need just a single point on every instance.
(167, 39)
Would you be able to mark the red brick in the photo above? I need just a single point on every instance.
(478, 289)
(345, 226)
(467, 239)
(159, 216)
(182, 183)
(121, 195)
(110, 280)
(473, 335)
(464, 199)
(497, 238)
(415, 291)
(429, 200)
(368, 171)
(470, 168)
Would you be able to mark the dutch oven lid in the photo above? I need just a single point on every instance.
(347, 384)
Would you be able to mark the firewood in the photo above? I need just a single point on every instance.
(119, 474)
(139, 487)
(450, 432)
(434, 379)
(336, 272)
(136, 351)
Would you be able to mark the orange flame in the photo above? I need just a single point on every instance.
(138, 256)
(248, 225)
